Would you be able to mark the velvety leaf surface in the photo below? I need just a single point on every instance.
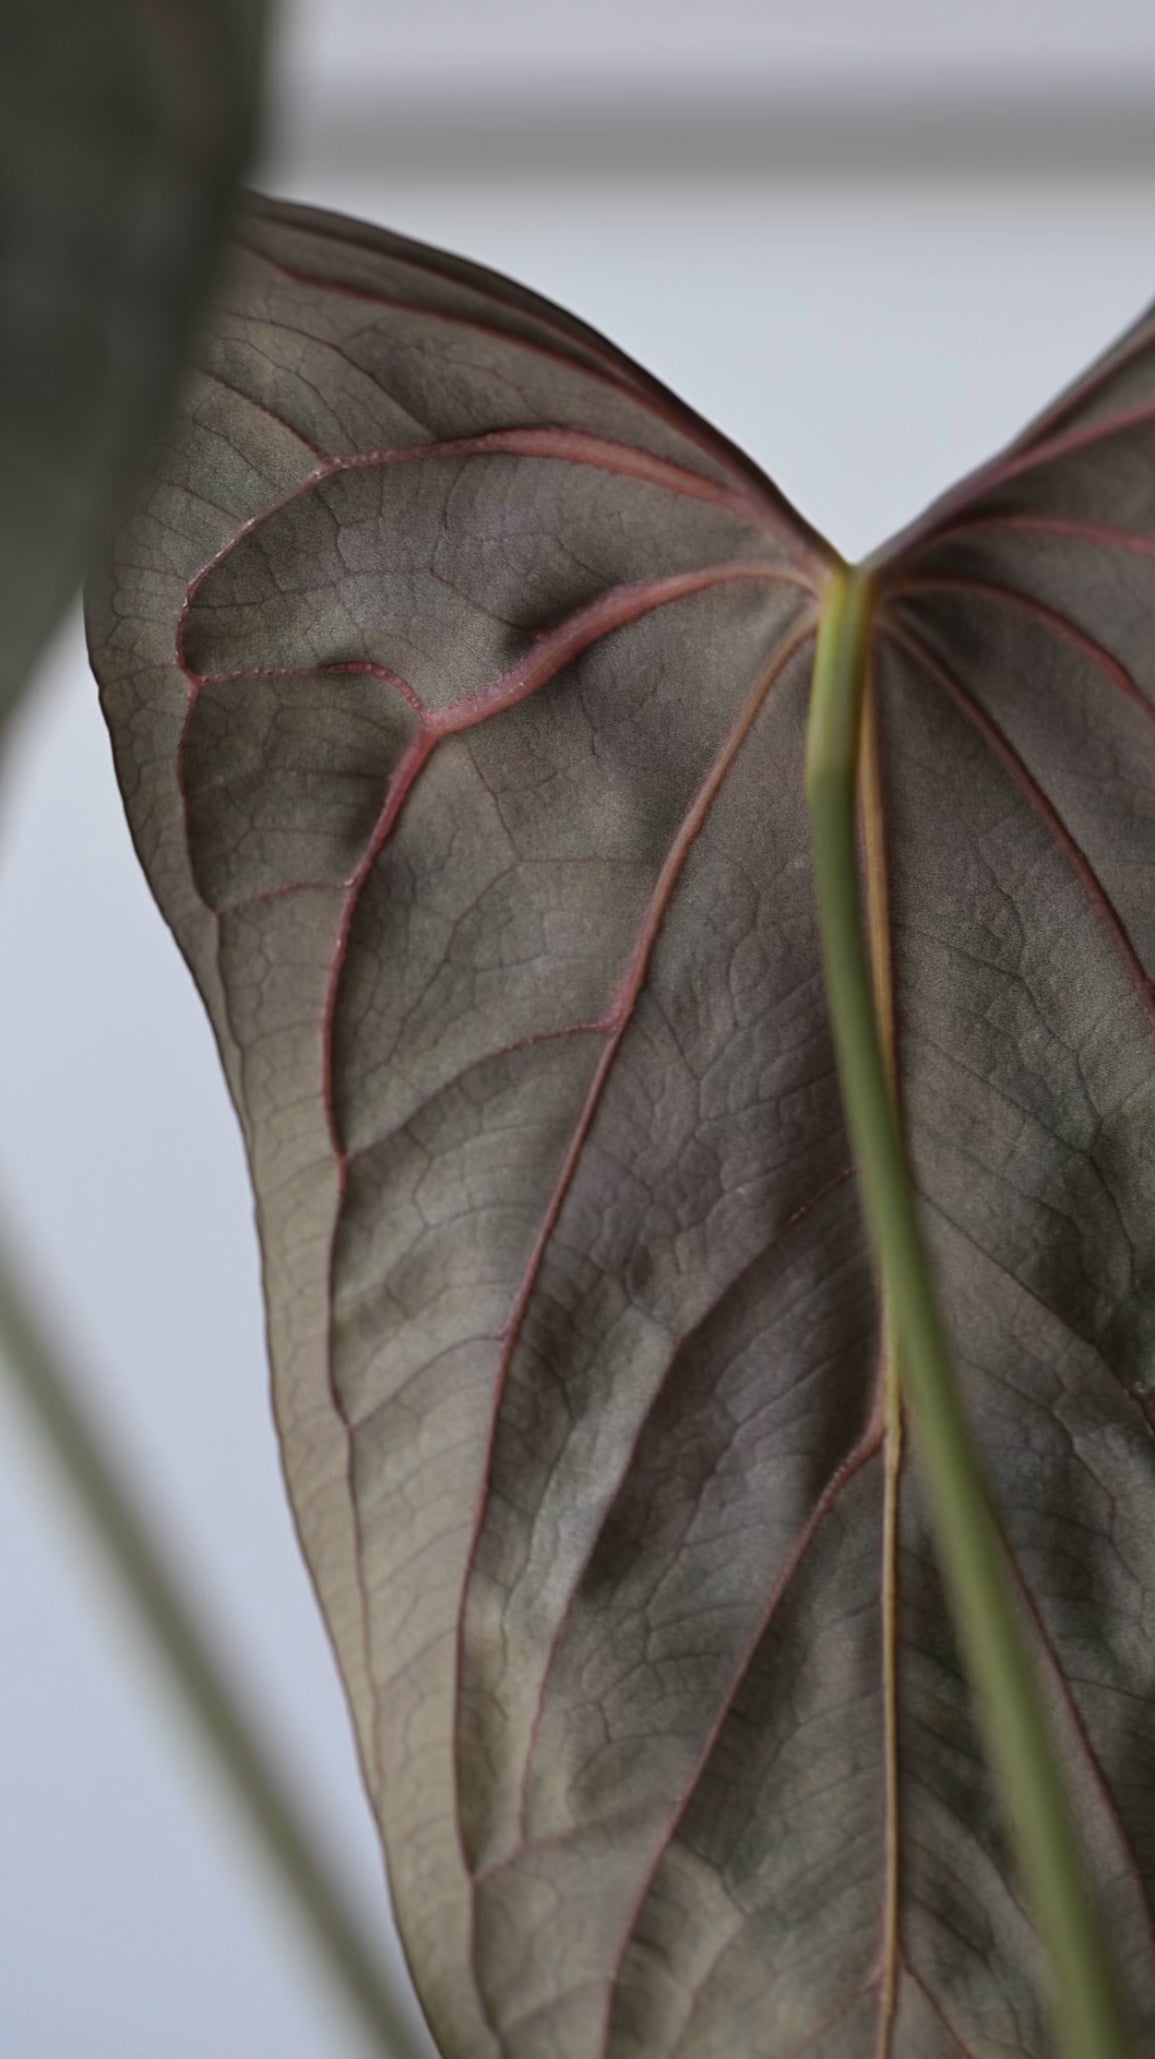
(458, 682)
(124, 125)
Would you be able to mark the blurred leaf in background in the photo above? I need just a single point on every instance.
(124, 128)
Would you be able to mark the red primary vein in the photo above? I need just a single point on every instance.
(1065, 444)
(609, 368)
(1085, 388)
(622, 1010)
(558, 646)
(1062, 526)
(412, 761)
(1001, 747)
(1014, 463)
(560, 446)
(552, 652)
(586, 352)
(549, 655)
(578, 447)
(1051, 618)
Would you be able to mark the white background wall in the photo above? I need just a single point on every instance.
(867, 330)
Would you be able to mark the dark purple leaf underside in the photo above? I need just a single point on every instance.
(458, 678)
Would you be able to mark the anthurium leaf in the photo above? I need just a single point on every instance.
(458, 683)
(123, 128)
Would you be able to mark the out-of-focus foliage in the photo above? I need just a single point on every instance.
(124, 127)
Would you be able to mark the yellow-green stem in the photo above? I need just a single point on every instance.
(1089, 2017)
(196, 1672)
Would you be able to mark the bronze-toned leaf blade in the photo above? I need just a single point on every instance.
(458, 682)
(124, 126)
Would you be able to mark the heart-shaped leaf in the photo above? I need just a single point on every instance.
(123, 129)
(458, 682)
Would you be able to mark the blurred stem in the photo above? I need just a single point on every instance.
(200, 1680)
(1088, 2011)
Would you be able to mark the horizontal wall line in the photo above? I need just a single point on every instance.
(1106, 132)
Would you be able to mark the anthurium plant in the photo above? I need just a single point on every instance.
(688, 1003)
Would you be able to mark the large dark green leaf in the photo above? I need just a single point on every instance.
(123, 127)
(458, 680)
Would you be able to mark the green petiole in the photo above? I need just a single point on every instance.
(1088, 2010)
